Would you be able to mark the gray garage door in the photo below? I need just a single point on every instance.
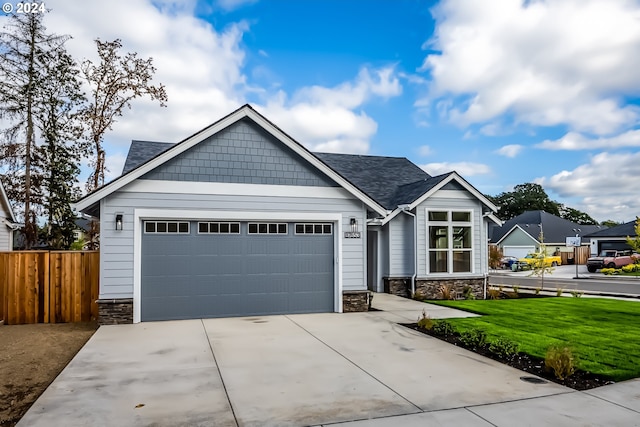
(194, 269)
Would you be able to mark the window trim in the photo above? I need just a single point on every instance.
(450, 250)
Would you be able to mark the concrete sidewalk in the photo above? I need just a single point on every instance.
(359, 369)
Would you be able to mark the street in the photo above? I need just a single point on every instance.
(564, 277)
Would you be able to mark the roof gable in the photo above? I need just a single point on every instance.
(555, 229)
(243, 154)
(89, 202)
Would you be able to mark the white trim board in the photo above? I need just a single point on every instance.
(141, 214)
(221, 188)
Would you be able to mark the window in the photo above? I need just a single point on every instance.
(267, 228)
(450, 243)
(166, 227)
(313, 228)
(218, 228)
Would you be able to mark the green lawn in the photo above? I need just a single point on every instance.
(604, 333)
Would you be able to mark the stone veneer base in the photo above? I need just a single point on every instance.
(115, 311)
(356, 301)
(429, 288)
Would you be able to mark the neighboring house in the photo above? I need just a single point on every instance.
(7, 222)
(240, 219)
(520, 235)
(614, 238)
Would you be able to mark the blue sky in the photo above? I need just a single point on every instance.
(503, 91)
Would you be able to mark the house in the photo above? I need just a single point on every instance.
(614, 238)
(240, 219)
(520, 235)
(7, 221)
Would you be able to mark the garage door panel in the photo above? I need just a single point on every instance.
(217, 275)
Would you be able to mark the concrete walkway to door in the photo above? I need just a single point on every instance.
(362, 369)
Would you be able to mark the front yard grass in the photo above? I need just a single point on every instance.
(604, 333)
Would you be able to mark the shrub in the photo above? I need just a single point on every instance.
(443, 328)
(610, 271)
(419, 296)
(504, 347)
(447, 291)
(560, 359)
(516, 289)
(493, 293)
(537, 291)
(631, 268)
(473, 338)
(467, 293)
(425, 322)
(559, 292)
(576, 294)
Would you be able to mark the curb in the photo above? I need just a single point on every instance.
(591, 293)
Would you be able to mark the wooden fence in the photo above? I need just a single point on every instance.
(582, 255)
(48, 286)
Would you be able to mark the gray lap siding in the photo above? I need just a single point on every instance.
(117, 249)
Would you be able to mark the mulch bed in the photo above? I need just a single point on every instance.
(531, 365)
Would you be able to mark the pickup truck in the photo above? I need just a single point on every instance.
(532, 259)
(611, 259)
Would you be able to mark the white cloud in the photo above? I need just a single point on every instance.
(324, 119)
(577, 141)
(511, 150)
(425, 150)
(463, 168)
(568, 62)
(607, 186)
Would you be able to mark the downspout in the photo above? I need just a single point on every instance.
(405, 209)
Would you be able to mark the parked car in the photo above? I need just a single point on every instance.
(548, 260)
(611, 259)
(507, 261)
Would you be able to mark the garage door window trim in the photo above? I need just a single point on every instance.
(265, 228)
(218, 227)
(167, 227)
(313, 228)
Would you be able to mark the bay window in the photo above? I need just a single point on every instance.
(450, 244)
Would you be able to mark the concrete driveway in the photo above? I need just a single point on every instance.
(295, 370)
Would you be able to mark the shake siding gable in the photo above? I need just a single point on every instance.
(242, 153)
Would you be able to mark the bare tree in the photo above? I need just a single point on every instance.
(115, 81)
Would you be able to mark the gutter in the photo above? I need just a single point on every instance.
(406, 209)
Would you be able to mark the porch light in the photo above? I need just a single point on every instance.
(354, 224)
(119, 222)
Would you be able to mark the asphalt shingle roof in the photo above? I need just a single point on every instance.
(377, 176)
(556, 229)
(390, 181)
(142, 151)
(622, 230)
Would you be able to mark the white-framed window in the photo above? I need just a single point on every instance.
(268, 228)
(450, 241)
(166, 227)
(313, 228)
(218, 227)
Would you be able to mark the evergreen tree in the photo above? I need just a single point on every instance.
(24, 49)
(59, 121)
